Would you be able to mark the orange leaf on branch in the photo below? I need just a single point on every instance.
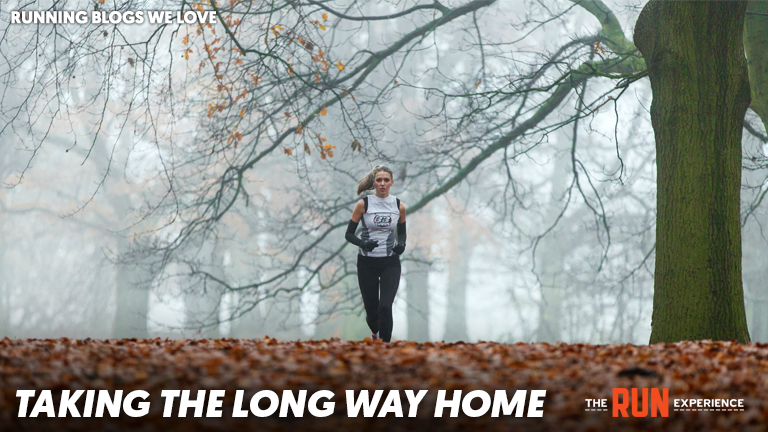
(599, 47)
(277, 29)
(328, 149)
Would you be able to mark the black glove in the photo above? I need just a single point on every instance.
(368, 245)
(400, 248)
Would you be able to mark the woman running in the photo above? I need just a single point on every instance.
(378, 259)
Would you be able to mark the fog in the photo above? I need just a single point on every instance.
(149, 192)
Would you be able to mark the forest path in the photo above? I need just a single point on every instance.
(570, 374)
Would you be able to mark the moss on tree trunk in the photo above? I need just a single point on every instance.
(695, 58)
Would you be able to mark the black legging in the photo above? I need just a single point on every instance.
(379, 279)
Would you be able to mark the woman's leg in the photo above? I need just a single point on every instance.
(390, 280)
(368, 279)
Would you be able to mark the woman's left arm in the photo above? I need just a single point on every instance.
(400, 248)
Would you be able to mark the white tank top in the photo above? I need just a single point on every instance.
(379, 223)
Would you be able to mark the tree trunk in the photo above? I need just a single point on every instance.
(337, 319)
(551, 277)
(757, 304)
(250, 324)
(551, 252)
(283, 312)
(456, 315)
(4, 321)
(698, 74)
(417, 297)
(202, 307)
(202, 312)
(132, 292)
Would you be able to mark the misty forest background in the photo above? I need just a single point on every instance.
(178, 181)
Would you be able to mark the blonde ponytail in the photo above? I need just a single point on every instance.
(366, 183)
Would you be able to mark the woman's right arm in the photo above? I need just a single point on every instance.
(357, 213)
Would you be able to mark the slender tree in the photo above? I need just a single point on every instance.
(458, 275)
(417, 295)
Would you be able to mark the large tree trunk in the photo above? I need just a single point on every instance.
(417, 297)
(698, 74)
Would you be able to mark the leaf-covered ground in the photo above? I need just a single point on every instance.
(569, 373)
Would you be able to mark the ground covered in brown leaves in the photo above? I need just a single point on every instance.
(569, 373)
